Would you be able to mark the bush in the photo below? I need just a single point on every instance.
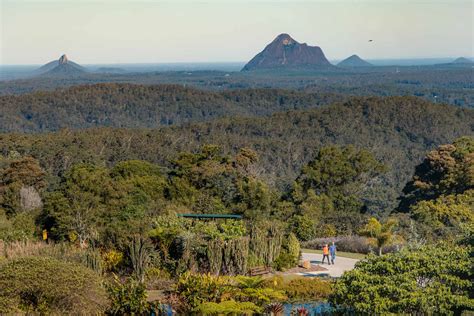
(284, 261)
(307, 289)
(431, 280)
(208, 294)
(229, 307)
(111, 259)
(49, 286)
(127, 298)
(196, 289)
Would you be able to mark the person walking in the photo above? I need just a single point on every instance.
(332, 252)
(326, 253)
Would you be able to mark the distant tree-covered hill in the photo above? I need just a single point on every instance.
(441, 83)
(398, 130)
(139, 106)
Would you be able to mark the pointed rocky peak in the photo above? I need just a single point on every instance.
(63, 59)
(284, 39)
(61, 67)
(285, 52)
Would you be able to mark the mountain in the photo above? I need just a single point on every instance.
(462, 60)
(61, 67)
(285, 52)
(354, 61)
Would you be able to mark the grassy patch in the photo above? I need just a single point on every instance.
(351, 255)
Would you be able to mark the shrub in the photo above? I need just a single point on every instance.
(46, 285)
(111, 259)
(284, 261)
(127, 298)
(307, 289)
(434, 279)
(206, 293)
(196, 289)
(229, 307)
(289, 255)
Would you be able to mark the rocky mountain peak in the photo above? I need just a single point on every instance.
(63, 59)
(285, 52)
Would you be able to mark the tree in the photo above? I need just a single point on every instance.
(447, 170)
(444, 216)
(440, 196)
(430, 280)
(331, 187)
(380, 235)
(20, 186)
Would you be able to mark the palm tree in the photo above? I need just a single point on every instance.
(380, 235)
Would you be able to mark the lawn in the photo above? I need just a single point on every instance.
(351, 255)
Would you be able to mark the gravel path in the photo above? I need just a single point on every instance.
(341, 265)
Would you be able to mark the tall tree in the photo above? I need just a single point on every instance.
(449, 169)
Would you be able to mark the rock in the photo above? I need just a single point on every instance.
(63, 59)
(285, 52)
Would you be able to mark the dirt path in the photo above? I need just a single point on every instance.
(341, 264)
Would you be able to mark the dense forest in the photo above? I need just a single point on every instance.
(397, 130)
(438, 83)
(126, 105)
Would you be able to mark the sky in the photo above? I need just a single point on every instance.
(119, 31)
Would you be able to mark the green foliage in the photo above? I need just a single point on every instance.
(447, 170)
(88, 194)
(289, 255)
(380, 235)
(440, 196)
(284, 141)
(46, 285)
(209, 294)
(21, 182)
(196, 289)
(229, 307)
(293, 247)
(433, 279)
(19, 227)
(332, 184)
(111, 259)
(303, 227)
(140, 252)
(306, 289)
(127, 298)
(444, 216)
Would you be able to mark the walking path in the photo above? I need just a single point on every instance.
(334, 270)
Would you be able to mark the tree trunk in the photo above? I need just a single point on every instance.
(380, 251)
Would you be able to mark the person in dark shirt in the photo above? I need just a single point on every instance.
(332, 252)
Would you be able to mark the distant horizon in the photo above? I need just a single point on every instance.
(240, 61)
(162, 31)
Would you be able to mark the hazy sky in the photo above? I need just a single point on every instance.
(118, 31)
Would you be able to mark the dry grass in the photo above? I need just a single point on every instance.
(18, 249)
